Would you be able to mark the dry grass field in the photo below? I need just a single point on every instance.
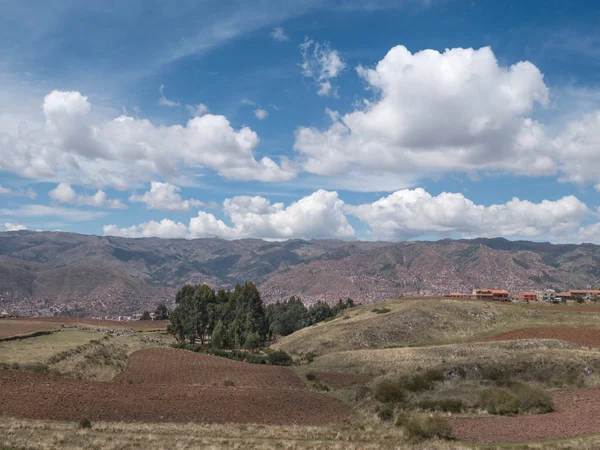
(404, 323)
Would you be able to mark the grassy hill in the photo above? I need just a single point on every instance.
(404, 323)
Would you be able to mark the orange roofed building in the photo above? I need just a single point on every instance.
(528, 296)
(491, 294)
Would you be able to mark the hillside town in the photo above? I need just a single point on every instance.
(545, 295)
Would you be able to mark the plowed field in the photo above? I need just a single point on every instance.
(10, 328)
(168, 366)
(589, 337)
(577, 413)
(35, 396)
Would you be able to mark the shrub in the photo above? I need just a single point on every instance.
(427, 427)
(390, 391)
(386, 413)
(361, 393)
(451, 405)
(310, 357)
(382, 310)
(515, 399)
(311, 376)
(279, 358)
(85, 423)
(228, 383)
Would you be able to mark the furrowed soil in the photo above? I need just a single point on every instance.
(167, 366)
(136, 324)
(36, 396)
(588, 337)
(577, 413)
(10, 328)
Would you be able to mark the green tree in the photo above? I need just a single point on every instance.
(146, 316)
(161, 312)
(218, 336)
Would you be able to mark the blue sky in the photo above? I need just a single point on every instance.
(419, 119)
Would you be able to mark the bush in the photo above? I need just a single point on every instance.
(228, 383)
(390, 391)
(310, 357)
(382, 310)
(311, 376)
(427, 427)
(515, 399)
(279, 358)
(451, 405)
(386, 413)
(85, 423)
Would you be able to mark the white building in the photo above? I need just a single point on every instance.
(547, 295)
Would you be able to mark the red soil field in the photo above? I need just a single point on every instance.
(137, 324)
(35, 396)
(577, 413)
(168, 366)
(10, 328)
(342, 380)
(589, 337)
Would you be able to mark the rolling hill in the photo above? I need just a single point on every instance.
(56, 272)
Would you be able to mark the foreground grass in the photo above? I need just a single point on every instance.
(428, 322)
(47, 435)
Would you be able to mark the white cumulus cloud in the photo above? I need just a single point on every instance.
(435, 112)
(319, 215)
(64, 193)
(165, 197)
(321, 64)
(166, 229)
(408, 214)
(122, 151)
(14, 227)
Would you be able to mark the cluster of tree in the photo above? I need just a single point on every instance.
(160, 313)
(226, 319)
(287, 317)
(238, 319)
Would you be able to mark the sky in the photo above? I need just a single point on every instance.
(372, 120)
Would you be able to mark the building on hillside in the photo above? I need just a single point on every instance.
(528, 296)
(491, 294)
(585, 294)
(546, 295)
(458, 295)
(564, 296)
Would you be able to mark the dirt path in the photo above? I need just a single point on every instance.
(35, 396)
(577, 413)
(589, 337)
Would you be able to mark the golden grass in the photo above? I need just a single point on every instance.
(49, 435)
(427, 322)
(562, 356)
(38, 349)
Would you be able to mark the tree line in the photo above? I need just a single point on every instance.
(237, 318)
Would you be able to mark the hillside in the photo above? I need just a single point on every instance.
(55, 272)
(409, 323)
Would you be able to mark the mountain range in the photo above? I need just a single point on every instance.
(45, 273)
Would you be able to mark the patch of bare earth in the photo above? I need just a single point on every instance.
(36, 396)
(137, 324)
(168, 366)
(589, 337)
(577, 413)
